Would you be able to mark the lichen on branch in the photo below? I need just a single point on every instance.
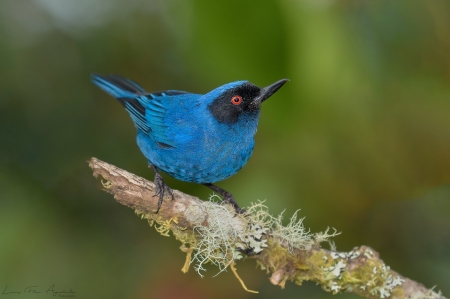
(211, 232)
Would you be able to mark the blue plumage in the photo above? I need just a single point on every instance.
(193, 137)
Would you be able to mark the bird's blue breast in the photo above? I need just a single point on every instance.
(188, 143)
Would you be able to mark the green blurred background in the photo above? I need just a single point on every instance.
(359, 139)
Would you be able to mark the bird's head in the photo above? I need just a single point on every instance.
(228, 102)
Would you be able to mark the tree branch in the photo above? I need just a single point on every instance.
(212, 232)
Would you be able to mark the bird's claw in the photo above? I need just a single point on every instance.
(230, 199)
(161, 188)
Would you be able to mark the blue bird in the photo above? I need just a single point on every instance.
(198, 138)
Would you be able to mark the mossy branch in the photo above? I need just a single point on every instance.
(212, 232)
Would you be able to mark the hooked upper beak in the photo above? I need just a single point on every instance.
(266, 92)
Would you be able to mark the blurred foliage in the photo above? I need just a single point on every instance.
(359, 139)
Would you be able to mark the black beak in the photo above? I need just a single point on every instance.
(266, 92)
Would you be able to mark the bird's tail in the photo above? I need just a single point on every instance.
(117, 86)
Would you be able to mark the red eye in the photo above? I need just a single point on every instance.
(236, 100)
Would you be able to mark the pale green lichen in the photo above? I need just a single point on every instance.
(224, 236)
(325, 236)
(228, 235)
(294, 234)
(373, 277)
(216, 242)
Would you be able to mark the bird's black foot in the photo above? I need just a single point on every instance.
(160, 187)
(230, 199)
(227, 197)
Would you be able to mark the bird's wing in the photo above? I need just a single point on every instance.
(148, 111)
